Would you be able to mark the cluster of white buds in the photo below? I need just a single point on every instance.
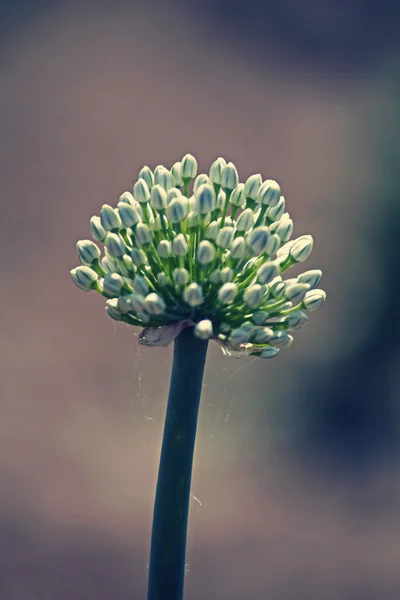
(203, 249)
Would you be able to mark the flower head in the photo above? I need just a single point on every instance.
(214, 260)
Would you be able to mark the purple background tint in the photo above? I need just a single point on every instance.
(297, 471)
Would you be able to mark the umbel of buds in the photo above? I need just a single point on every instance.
(204, 250)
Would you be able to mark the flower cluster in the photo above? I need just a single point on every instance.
(205, 250)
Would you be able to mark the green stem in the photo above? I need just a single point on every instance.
(171, 509)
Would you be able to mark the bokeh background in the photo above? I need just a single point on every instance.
(296, 488)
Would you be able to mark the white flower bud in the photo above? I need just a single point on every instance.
(245, 221)
(279, 338)
(267, 272)
(227, 293)
(277, 288)
(188, 167)
(226, 274)
(181, 276)
(165, 179)
(239, 336)
(163, 279)
(314, 299)
(273, 244)
(296, 292)
(176, 193)
(201, 180)
(110, 218)
(136, 301)
(204, 329)
(98, 231)
(215, 276)
(179, 245)
(269, 193)
(158, 197)
(269, 352)
(238, 248)
(193, 295)
(311, 277)
(212, 231)
(157, 225)
(88, 252)
(113, 283)
(123, 304)
(205, 252)
(140, 285)
(158, 170)
(285, 229)
(112, 310)
(115, 245)
(296, 320)
(138, 257)
(164, 249)
(141, 191)
(144, 235)
(204, 199)
(258, 240)
(225, 237)
(221, 197)
(176, 171)
(262, 335)
(260, 317)
(126, 198)
(128, 214)
(253, 294)
(229, 177)
(216, 170)
(193, 220)
(109, 265)
(148, 177)
(84, 278)
(154, 304)
(252, 186)
(238, 198)
(275, 212)
(302, 248)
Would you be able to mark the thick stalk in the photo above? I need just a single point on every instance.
(171, 509)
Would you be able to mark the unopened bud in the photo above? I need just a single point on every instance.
(165, 179)
(226, 274)
(140, 285)
(296, 320)
(177, 210)
(284, 229)
(204, 199)
(193, 220)
(302, 248)
(225, 237)
(215, 276)
(212, 231)
(128, 214)
(143, 234)
(238, 248)
(115, 245)
(154, 304)
(262, 335)
(239, 336)
(216, 170)
(141, 191)
(84, 278)
(126, 198)
(275, 212)
(98, 231)
(147, 175)
(181, 276)
(176, 171)
(110, 218)
(193, 295)
(188, 167)
(164, 249)
(253, 294)
(112, 309)
(238, 198)
(273, 245)
(227, 293)
(269, 352)
(311, 277)
(179, 245)
(245, 221)
(267, 272)
(138, 257)
(205, 252)
(252, 186)
(158, 197)
(113, 283)
(314, 299)
(229, 177)
(204, 329)
(88, 252)
(163, 279)
(269, 193)
(258, 240)
(201, 180)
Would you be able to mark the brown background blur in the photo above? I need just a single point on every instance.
(297, 466)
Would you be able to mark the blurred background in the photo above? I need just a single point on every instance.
(296, 487)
